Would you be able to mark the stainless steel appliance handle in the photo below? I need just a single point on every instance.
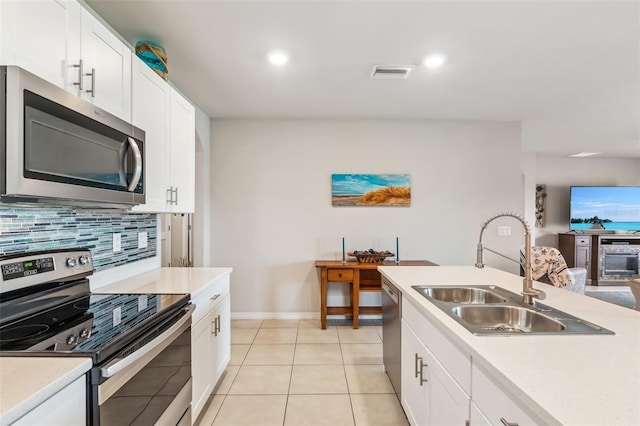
(147, 350)
(138, 170)
(391, 292)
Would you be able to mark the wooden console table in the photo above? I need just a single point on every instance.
(361, 277)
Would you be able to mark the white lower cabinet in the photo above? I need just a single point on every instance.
(496, 405)
(66, 408)
(415, 395)
(210, 341)
(442, 386)
(430, 395)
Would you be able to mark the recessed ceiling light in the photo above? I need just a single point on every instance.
(434, 61)
(584, 154)
(278, 57)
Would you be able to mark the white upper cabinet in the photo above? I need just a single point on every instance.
(61, 42)
(168, 120)
(42, 37)
(150, 112)
(181, 154)
(107, 68)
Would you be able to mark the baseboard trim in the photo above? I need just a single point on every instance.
(290, 316)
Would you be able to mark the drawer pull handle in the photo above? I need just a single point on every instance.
(215, 296)
(340, 275)
(506, 423)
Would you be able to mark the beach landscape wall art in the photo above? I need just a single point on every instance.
(371, 190)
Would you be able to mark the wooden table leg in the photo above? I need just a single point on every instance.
(323, 298)
(356, 297)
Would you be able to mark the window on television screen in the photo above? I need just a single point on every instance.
(612, 208)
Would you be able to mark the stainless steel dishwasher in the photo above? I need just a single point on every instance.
(391, 326)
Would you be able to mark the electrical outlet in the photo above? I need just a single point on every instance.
(143, 240)
(142, 302)
(117, 242)
(117, 316)
(504, 230)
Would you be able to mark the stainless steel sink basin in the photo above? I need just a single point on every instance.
(462, 295)
(511, 319)
(488, 310)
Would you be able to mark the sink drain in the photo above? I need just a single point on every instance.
(503, 329)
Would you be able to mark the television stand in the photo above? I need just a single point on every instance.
(609, 258)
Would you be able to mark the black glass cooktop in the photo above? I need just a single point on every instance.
(92, 325)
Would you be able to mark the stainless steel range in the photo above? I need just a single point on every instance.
(140, 344)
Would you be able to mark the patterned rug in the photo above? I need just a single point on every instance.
(622, 298)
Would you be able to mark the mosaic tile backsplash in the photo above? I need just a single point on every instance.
(31, 229)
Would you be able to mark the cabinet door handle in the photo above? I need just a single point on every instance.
(176, 201)
(80, 67)
(416, 363)
(507, 423)
(422, 366)
(215, 325)
(93, 82)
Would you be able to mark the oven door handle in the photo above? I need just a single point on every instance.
(151, 349)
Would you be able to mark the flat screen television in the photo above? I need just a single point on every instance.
(611, 208)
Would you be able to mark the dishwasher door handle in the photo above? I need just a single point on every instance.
(392, 292)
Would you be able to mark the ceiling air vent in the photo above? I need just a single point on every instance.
(395, 72)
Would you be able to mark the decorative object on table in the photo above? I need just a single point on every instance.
(541, 196)
(397, 251)
(344, 258)
(154, 56)
(370, 256)
(371, 190)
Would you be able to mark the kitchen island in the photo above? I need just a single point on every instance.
(558, 379)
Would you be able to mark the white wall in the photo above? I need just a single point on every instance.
(201, 221)
(271, 210)
(559, 174)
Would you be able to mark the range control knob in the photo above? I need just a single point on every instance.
(84, 333)
(72, 339)
(84, 260)
(71, 262)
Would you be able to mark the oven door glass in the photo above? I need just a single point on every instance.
(153, 389)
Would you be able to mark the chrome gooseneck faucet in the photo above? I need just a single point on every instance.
(528, 292)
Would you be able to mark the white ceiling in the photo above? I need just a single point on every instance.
(568, 70)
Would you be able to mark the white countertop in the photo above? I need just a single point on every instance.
(167, 280)
(572, 380)
(26, 382)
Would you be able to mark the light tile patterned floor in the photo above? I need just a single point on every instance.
(293, 373)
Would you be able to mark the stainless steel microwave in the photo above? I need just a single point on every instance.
(59, 149)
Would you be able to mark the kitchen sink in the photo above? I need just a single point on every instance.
(488, 310)
(462, 295)
(512, 319)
